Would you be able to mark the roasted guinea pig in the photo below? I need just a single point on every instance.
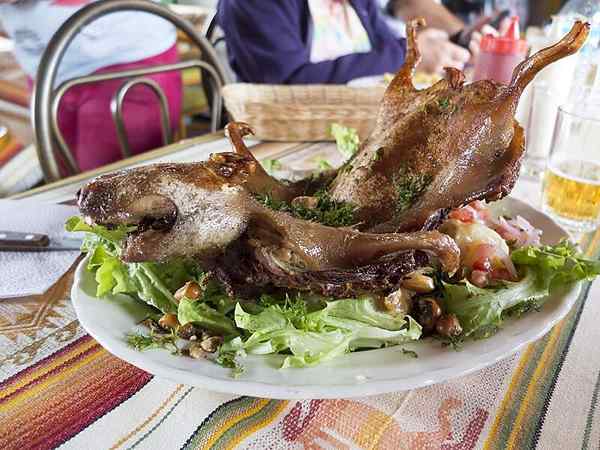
(430, 151)
(207, 212)
(439, 148)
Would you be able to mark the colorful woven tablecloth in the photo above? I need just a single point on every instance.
(60, 388)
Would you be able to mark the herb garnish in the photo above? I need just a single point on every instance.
(453, 342)
(327, 211)
(154, 340)
(444, 103)
(408, 187)
(230, 360)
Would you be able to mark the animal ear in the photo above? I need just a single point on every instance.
(455, 77)
(403, 79)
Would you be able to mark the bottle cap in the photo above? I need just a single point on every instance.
(507, 44)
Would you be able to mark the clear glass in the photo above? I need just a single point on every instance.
(571, 187)
(585, 75)
(588, 8)
(540, 125)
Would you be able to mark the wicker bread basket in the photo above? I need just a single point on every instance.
(302, 112)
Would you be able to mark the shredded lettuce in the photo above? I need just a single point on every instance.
(482, 310)
(313, 337)
(346, 139)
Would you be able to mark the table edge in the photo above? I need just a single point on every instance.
(153, 154)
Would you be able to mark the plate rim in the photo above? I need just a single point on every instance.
(329, 391)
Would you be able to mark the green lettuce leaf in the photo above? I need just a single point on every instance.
(201, 314)
(111, 273)
(313, 337)
(77, 224)
(271, 165)
(323, 165)
(557, 265)
(150, 286)
(365, 309)
(153, 283)
(346, 139)
(481, 311)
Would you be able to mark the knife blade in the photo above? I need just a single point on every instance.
(14, 241)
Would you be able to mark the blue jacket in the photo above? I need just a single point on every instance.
(269, 41)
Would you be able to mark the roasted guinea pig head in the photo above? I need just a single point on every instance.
(208, 211)
(440, 148)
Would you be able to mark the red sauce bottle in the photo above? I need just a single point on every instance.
(499, 56)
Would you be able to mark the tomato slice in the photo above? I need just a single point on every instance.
(466, 214)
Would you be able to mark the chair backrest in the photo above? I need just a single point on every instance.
(49, 140)
(215, 35)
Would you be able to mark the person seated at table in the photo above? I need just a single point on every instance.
(436, 15)
(442, 26)
(118, 41)
(321, 41)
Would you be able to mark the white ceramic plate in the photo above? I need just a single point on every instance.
(357, 374)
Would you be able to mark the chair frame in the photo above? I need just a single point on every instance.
(46, 99)
(116, 109)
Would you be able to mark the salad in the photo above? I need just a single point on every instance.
(504, 272)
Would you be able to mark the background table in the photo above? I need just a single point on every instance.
(59, 387)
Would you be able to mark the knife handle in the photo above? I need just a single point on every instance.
(14, 239)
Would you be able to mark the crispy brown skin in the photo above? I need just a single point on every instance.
(462, 139)
(206, 211)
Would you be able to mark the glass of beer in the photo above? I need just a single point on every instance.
(571, 187)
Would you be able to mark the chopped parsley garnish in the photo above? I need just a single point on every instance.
(327, 211)
(231, 360)
(444, 103)
(142, 342)
(522, 308)
(453, 342)
(409, 187)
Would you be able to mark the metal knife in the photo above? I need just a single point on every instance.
(13, 241)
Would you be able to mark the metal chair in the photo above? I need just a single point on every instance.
(46, 99)
(215, 35)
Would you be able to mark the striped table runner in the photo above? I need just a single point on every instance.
(59, 388)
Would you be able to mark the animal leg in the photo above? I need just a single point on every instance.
(528, 69)
(403, 79)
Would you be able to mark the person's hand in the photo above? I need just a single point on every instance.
(474, 45)
(438, 52)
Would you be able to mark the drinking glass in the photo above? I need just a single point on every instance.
(571, 187)
(542, 118)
